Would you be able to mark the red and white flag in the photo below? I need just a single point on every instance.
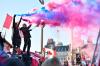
(51, 53)
(8, 21)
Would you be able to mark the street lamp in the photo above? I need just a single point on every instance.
(42, 27)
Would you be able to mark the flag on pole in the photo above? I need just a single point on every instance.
(8, 21)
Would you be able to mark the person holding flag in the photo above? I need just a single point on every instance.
(27, 41)
(16, 39)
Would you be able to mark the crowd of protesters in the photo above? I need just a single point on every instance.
(26, 58)
(18, 57)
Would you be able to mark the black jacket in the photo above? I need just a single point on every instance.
(16, 34)
(26, 31)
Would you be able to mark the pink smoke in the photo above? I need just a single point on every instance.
(79, 15)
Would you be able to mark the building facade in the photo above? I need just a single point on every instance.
(62, 53)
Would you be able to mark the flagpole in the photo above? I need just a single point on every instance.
(72, 44)
(93, 58)
(58, 31)
(42, 30)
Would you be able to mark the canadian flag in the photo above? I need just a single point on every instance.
(51, 53)
(8, 21)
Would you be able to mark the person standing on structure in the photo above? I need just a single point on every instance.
(27, 41)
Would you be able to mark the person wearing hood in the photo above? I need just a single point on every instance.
(52, 62)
